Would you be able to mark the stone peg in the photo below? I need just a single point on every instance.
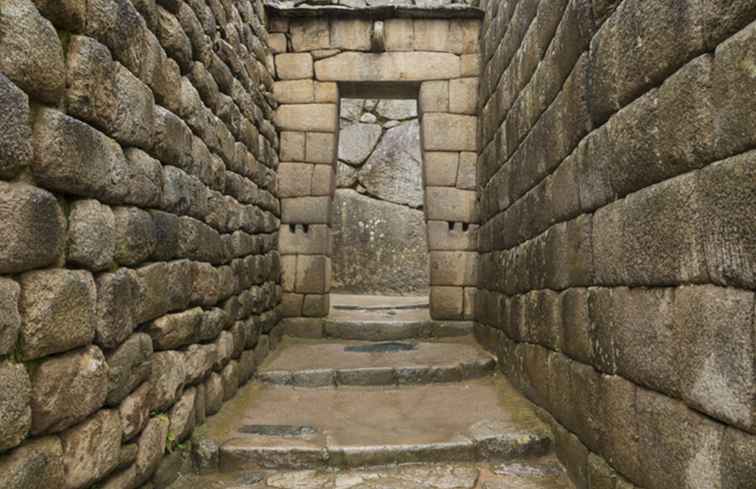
(377, 38)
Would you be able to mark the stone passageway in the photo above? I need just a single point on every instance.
(380, 397)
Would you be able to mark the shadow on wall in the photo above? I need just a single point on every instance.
(379, 244)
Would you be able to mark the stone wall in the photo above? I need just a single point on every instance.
(434, 60)
(140, 272)
(618, 243)
(379, 244)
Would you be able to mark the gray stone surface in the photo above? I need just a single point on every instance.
(91, 235)
(15, 412)
(357, 141)
(37, 463)
(379, 247)
(10, 319)
(129, 365)
(91, 449)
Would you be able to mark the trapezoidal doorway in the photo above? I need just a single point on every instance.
(313, 85)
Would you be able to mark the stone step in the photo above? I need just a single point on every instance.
(318, 363)
(375, 326)
(541, 473)
(349, 302)
(282, 427)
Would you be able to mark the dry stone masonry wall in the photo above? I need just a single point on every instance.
(434, 60)
(139, 211)
(618, 243)
(380, 244)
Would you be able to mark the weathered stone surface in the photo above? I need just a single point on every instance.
(15, 412)
(91, 235)
(446, 302)
(152, 444)
(37, 463)
(182, 416)
(135, 411)
(367, 228)
(357, 141)
(175, 330)
(440, 169)
(397, 109)
(309, 34)
(453, 268)
(129, 365)
(115, 311)
(393, 172)
(68, 388)
(213, 393)
(168, 378)
(294, 66)
(91, 449)
(58, 311)
(321, 148)
(35, 227)
(135, 235)
(10, 319)
(15, 129)
(307, 117)
(33, 57)
(199, 361)
(450, 204)
(352, 34)
(161, 288)
(450, 132)
(391, 66)
(230, 379)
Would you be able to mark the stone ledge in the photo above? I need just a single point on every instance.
(298, 9)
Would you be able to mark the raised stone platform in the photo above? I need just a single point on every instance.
(317, 363)
(268, 426)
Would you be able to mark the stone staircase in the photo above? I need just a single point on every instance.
(384, 397)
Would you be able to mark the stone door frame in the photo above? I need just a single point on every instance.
(309, 89)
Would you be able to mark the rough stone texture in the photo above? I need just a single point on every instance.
(58, 311)
(615, 272)
(38, 463)
(91, 449)
(357, 141)
(15, 412)
(381, 247)
(138, 184)
(68, 388)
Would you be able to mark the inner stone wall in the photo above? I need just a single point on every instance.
(379, 244)
(138, 258)
(618, 252)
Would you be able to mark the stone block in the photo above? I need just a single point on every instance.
(399, 34)
(576, 325)
(37, 463)
(291, 305)
(292, 147)
(731, 83)
(135, 235)
(446, 302)
(724, 218)
(278, 42)
(443, 237)
(390, 66)
(10, 318)
(440, 168)
(91, 449)
(230, 378)
(308, 34)
(434, 96)
(321, 148)
(351, 34)
(198, 241)
(295, 92)
(467, 174)
(152, 445)
(326, 92)
(715, 351)
(323, 180)
(199, 361)
(678, 447)
(85, 375)
(432, 35)
(134, 411)
(315, 241)
(470, 65)
(294, 66)
(295, 179)
(449, 132)
(168, 379)
(58, 311)
(307, 117)
(313, 274)
(213, 322)
(114, 312)
(316, 305)
(450, 204)
(357, 142)
(618, 417)
(145, 180)
(129, 366)
(306, 210)
(454, 268)
(463, 96)
(74, 158)
(33, 58)
(91, 235)
(172, 139)
(470, 303)
(15, 130)
(34, 225)
(739, 457)
(15, 412)
(213, 394)
(182, 417)
(175, 330)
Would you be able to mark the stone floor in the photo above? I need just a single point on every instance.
(543, 473)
